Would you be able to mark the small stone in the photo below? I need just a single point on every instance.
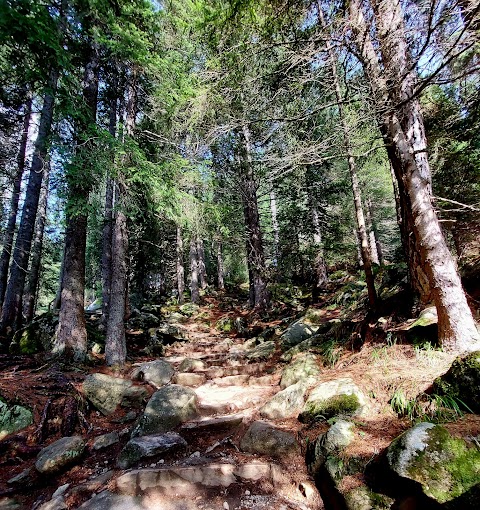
(105, 440)
(247, 493)
(226, 505)
(60, 454)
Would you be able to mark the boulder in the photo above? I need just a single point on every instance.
(36, 336)
(189, 379)
(106, 393)
(265, 439)
(143, 447)
(362, 498)
(333, 398)
(262, 351)
(462, 381)
(225, 324)
(60, 454)
(303, 368)
(167, 408)
(444, 466)
(108, 500)
(13, 418)
(286, 402)
(336, 439)
(191, 365)
(303, 328)
(157, 373)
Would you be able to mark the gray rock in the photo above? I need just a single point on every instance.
(189, 309)
(302, 329)
(302, 368)
(333, 398)
(263, 438)
(285, 403)
(362, 498)
(157, 373)
(191, 365)
(10, 504)
(446, 467)
(13, 418)
(105, 440)
(107, 500)
(336, 439)
(462, 381)
(23, 478)
(143, 447)
(262, 351)
(189, 379)
(60, 454)
(106, 393)
(167, 408)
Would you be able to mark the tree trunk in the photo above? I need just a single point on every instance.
(357, 197)
(58, 296)
(30, 296)
(71, 336)
(402, 126)
(220, 266)
(202, 268)
(107, 228)
(275, 227)
(321, 275)
(12, 305)
(12, 215)
(374, 239)
(194, 291)
(259, 297)
(115, 342)
(180, 267)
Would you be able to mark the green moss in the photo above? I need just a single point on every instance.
(225, 324)
(337, 405)
(447, 468)
(26, 342)
(462, 381)
(362, 498)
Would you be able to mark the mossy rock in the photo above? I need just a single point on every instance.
(462, 381)
(446, 467)
(225, 324)
(36, 336)
(335, 406)
(302, 368)
(362, 498)
(13, 418)
(340, 397)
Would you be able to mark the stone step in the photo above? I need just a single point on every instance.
(183, 479)
(217, 371)
(225, 422)
(232, 380)
(213, 399)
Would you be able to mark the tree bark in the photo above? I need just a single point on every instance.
(357, 196)
(376, 247)
(194, 290)
(180, 267)
(220, 267)
(30, 296)
(202, 268)
(12, 215)
(259, 296)
(401, 122)
(321, 275)
(71, 336)
(275, 227)
(12, 305)
(115, 342)
(107, 231)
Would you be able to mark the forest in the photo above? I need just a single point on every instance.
(247, 197)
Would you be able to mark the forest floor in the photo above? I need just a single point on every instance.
(386, 371)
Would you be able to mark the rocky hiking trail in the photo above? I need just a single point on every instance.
(203, 445)
(218, 409)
